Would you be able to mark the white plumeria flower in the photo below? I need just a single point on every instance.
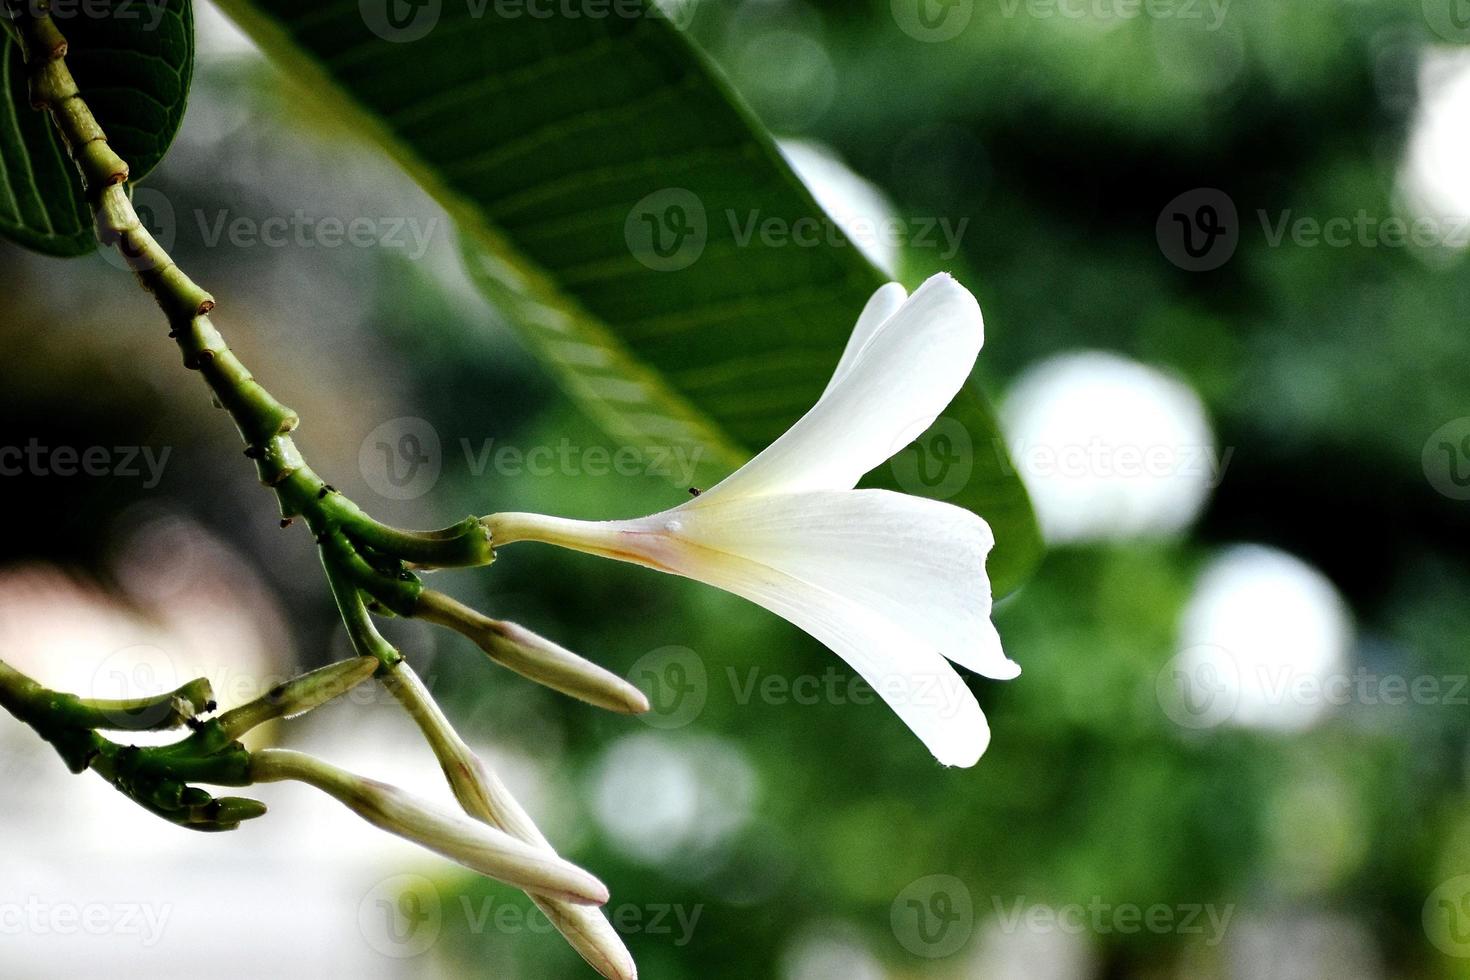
(894, 584)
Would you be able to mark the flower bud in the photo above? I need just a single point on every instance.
(535, 657)
(475, 845)
(482, 795)
(299, 695)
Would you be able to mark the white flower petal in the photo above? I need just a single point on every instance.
(916, 562)
(893, 389)
(918, 684)
(882, 305)
(895, 660)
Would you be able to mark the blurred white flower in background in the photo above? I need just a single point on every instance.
(1432, 177)
(1271, 634)
(828, 951)
(1109, 447)
(672, 802)
(1006, 953)
(1301, 944)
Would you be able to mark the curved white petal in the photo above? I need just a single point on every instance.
(897, 657)
(883, 304)
(887, 393)
(917, 683)
(916, 562)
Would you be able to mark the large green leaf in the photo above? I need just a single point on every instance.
(562, 145)
(132, 62)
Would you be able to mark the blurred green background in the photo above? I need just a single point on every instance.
(1239, 744)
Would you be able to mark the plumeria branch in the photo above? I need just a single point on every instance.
(370, 568)
(374, 556)
(159, 778)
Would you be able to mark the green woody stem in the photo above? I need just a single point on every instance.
(156, 777)
(376, 556)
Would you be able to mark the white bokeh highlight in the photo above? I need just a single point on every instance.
(828, 950)
(1271, 634)
(1110, 448)
(1432, 178)
(662, 802)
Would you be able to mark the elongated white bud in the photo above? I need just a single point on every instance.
(475, 845)
(485, 797)
(535, 657)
